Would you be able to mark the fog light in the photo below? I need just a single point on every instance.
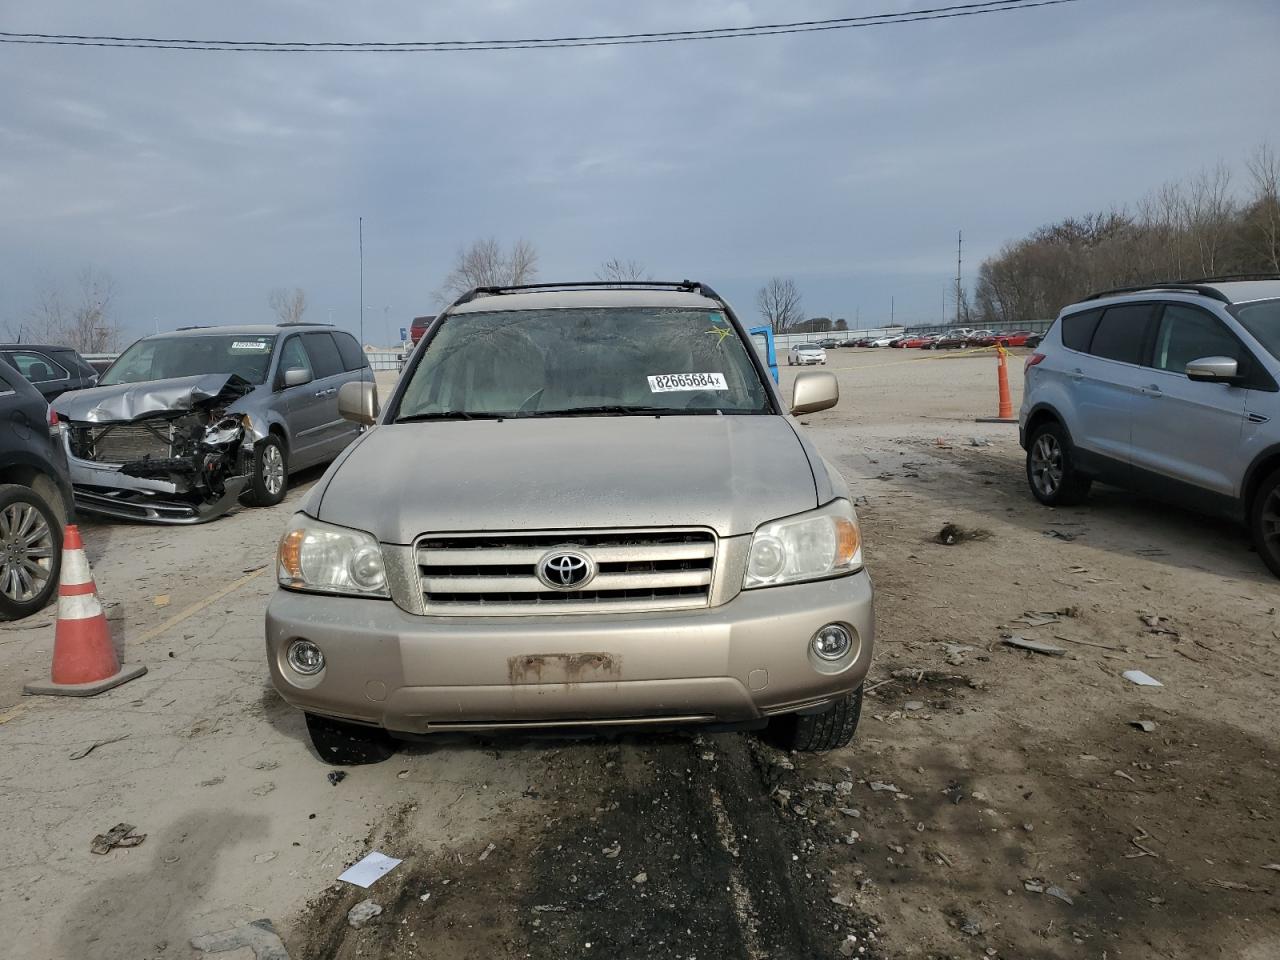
(832, 642)
(305, 657)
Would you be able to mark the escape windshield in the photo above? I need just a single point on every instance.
(606, 361)
(159, 358)
(1262, 319)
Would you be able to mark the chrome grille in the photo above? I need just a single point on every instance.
(123, 442)
(496, 574)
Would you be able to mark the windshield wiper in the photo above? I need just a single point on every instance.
(610, 409)
(453, 415)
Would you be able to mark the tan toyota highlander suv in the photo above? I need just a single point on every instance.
(584, 505)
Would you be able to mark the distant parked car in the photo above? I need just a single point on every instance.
(950, 341)
(804, 354)
(35, 498)
(1015, 338)
(883, 341)
(53, 370)
(418, 328)
(981, 338)
(912, 341)
(830, 344)
(1034, 340)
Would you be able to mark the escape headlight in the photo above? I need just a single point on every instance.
(326, 558)
(810, 546)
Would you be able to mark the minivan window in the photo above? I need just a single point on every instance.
(353, 357)
(1120, 333)
(1187, 334)
(1262, 319)
(1077, 329)
(158, 358)
(325, 359)
(590, 360)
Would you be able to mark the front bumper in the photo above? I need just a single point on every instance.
(102, 489)
(741, 661)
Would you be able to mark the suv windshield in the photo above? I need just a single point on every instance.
(158, 358)
(597, 360)
(1262, 319)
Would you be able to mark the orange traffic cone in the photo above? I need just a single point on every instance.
(1004, 412)
(84, 660)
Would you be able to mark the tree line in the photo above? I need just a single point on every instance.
(1196, 228)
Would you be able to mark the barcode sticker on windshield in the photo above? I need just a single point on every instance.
(670, 382)
(250, 345)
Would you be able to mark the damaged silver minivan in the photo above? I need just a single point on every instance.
(584, 504)
(184, 423)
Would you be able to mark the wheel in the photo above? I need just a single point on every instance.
(1052, 475)
(30, 551)
(817, 732)
(348, 744)
(1264, 521)
(270, 481)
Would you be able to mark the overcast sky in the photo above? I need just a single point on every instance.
(845, 159)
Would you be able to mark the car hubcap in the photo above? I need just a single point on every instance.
(272, 469)
(26, 552)
(1046, 465)
(1271, 521)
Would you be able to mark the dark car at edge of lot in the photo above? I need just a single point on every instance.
(53, 370)
(35, 498)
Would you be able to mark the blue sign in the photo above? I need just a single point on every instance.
(404, 334)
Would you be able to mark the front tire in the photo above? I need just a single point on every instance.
(270, 481)
(1052, 474)
(30, 552)
(1264, 521)
(818, 732)
(348, 744)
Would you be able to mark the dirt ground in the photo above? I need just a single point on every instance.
(995, 803)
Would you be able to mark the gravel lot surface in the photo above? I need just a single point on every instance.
(996, 802)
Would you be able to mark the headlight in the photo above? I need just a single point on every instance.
(328, 559)
(811, 546)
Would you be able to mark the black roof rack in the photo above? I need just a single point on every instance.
(1176, 286)
(1233, 277)
(195, 326)
(692, 286)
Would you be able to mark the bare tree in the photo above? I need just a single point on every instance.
(81, 320)
(289, 307)
(1211, 214)
(779, 303)
(484, 264)
(616, 270)
(1263, 217)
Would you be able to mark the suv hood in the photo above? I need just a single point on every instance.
(729, 473)
(132, 401)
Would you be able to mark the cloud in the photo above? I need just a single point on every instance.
(847, 159)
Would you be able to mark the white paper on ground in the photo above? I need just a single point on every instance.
(371, 868)
(1141, 679)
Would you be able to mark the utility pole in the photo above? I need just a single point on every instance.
(891, 311)
(959, 288)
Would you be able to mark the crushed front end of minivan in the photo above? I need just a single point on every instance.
(165, 451)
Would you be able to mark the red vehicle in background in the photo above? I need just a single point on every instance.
(418, 328)
(1016, 338)
(912, 342)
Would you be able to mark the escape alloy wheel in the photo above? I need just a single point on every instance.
(30, 551)
(1051, 471)
(1264, 521)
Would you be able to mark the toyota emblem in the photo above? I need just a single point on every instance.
(566, 570)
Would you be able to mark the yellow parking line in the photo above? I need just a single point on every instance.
(196, 607)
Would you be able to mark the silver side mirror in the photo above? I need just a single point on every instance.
(814, 391)
(296, 376)
(358, 402)
(1213, 370)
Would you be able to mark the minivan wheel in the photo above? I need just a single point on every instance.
(1264, 521)
(1051, 471)
(270, 481)
(348, 744)
(30, 552)
(817, 732)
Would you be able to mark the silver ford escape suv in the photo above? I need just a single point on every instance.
(1172, 390)
(583, 505)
